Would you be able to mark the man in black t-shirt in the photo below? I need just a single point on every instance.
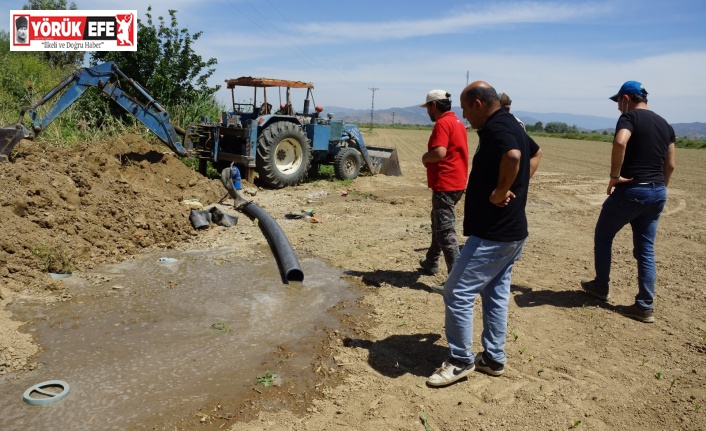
(642, 162)
(496, 226)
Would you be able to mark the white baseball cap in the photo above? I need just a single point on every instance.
(434, 95)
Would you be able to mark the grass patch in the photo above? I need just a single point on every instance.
(599, 137)
(691, 143)
(56, 258)
(425, 421)
(267, 379)
(578, 136)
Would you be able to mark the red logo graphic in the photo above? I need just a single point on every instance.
(125, 30)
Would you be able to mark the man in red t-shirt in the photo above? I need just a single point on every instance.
(447, 172)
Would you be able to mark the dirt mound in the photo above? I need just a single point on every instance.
(91, 204)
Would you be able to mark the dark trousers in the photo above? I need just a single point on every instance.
(443, 227)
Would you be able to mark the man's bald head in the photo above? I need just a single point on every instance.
(479, 101)
(482, 91)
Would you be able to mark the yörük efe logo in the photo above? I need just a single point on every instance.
(72, 30)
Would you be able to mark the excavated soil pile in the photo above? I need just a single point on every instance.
(74, 208)
(94, 205)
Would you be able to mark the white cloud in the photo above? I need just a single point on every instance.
(471, 19)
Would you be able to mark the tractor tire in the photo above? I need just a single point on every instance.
(283, 155)
(346, 164)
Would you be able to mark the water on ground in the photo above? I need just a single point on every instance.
(149, 340)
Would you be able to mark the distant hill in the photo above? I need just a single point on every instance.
(408, 115)
(690, 130)
(417, 115)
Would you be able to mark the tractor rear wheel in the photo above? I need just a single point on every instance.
(283, 155)
(346, 164)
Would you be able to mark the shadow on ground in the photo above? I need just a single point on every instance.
(528, 297)
(401, 279)
(397, 355)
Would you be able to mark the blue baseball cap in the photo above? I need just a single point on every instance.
(630, 87)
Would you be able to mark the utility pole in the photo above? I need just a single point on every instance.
(372, 106)
(393, 118)
(466, 86)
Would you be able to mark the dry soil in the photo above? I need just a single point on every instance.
(573, 362)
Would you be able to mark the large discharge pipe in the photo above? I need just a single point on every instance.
(289, 266)
(286, 258)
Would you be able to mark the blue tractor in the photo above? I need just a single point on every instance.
(281, 146)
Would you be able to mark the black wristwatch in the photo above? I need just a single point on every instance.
(615, 178)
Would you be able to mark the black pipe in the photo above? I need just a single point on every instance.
(284, 253)
(289, 266)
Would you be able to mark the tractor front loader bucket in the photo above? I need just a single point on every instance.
(383, 160)
(9, 137)
(378, 160)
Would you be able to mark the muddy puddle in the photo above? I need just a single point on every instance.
(146, 343)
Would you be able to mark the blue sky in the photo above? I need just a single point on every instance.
(549, 56)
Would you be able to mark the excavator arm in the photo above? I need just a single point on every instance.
(151, 113)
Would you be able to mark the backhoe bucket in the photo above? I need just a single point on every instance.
(384, 161)
(9, 137)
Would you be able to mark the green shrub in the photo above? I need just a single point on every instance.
(54, 258)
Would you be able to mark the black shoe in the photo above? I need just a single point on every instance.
(590, 287)
(429, 269)
(640, 314)
(488, 366)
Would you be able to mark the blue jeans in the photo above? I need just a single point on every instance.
(640, 205)
(484, 267)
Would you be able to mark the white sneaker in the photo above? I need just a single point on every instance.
(450, 371)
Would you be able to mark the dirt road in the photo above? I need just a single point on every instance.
(573, 362)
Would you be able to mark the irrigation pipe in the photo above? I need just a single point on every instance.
(287, 261)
